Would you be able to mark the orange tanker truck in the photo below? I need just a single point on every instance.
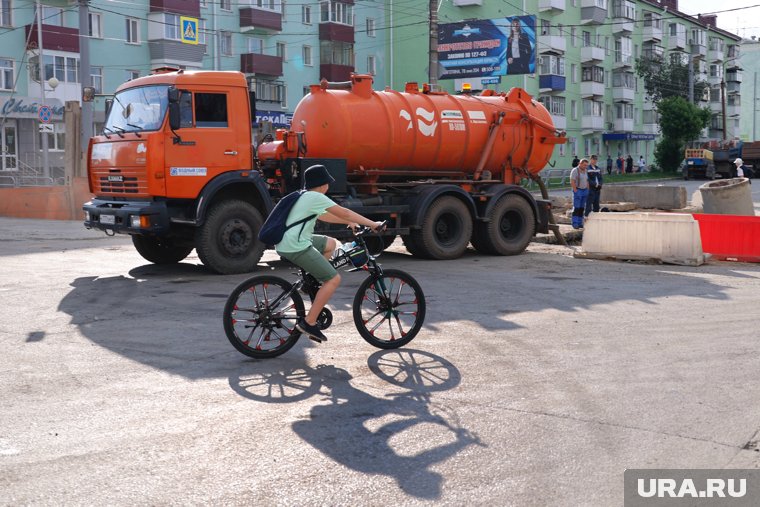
(176, 169)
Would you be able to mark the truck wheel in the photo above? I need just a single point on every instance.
(228, 241)
(446, 230)
(510, 227)
(160, 251)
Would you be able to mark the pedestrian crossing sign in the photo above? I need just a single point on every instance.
(189, 33)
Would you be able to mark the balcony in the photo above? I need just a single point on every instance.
(592, 54)
(592, 89)
(651, 128)
(677, 42)
(551, 83)
(733, 77)
(623, 94)
(190, 8)
(55, 38)
(714, 80)
(623, 26)
(333, 72)
(560, 122)
(716, 106)
(591, 13)
(173, 53)
(552, 44)
(715, 55)
(733, 110)
(551, 5)
(336, 32)
(594, 123)
(623, 125)
(255, 63)
(653, 32)
(698, 50)
(733, 87)
(653, 53)
(622, 61)
(260, 21)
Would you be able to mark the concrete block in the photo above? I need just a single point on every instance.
(659, 197)
(663, 237)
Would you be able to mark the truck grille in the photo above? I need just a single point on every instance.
(132, 181)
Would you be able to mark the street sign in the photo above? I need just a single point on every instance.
(45, 114)
(189, 33)
(46, 128)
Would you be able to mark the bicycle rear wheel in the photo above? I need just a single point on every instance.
(260, 316)
(389, 311)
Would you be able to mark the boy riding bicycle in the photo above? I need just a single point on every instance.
(312, 251)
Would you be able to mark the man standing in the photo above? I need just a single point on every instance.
(609, 165)
(629, 164)
(619, 164)
(575, 161)
(579, 183)
(594, 186)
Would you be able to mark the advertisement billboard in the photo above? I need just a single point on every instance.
(487, 47)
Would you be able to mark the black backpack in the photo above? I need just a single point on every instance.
(275, 225)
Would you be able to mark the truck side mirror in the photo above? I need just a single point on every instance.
(174, 94)
(174, 116)
(109, 105)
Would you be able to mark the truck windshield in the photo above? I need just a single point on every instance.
(138, 109)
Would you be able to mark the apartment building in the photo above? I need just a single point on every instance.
(282, 48)
(585, 59)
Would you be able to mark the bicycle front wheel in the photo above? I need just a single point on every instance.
(260, 316)
(389, 310)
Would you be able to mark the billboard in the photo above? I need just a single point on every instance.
(487, 47)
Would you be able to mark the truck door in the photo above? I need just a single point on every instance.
(215, 138)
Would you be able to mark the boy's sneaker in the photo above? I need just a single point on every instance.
(313, 332)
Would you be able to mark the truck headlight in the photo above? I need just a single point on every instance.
(134, 221)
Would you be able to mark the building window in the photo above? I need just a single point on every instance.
(171, 26)
(593, 73)
(210, 110)
(132, 74)
(716, 70)
(545, 27)
(623, 111)
(555, 105)
(225, 5)
(306, 14)
(226, 38)
(96, 75)
(270, 91)
(6, 74)
(552, 64)
(623, 50)
(64, 69)
(573, 112)
(255, 45)
(268, 5)
(624, 80)
(284, 102)
(625, 9)
(204, 3)
(52, 15)
(370, 27)
(336, 53)
(133, 31)
(95, 25)
(593, 108)
(56, 140)
(573, 73)
(5, 13)
(306, 50)
(371, 65)
(336, 12)
(202, 32)
(282, 51)
(572, 36)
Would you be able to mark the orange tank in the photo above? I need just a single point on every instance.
(394, 135)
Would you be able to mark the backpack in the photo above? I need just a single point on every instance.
(275, 225)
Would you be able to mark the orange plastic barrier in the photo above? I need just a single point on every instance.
(730, 237)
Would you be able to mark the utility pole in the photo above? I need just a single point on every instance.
(433, 54)
(84, 66)
(754, 110)
(723, 104)
(45, 161)
(691, 79)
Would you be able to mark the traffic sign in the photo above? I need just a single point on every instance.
(46, 128)
(189, 32)
(45, 113)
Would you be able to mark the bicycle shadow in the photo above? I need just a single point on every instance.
(373, 434)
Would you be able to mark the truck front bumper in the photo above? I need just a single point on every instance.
(127, 217)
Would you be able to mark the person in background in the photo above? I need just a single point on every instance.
(742, 171)
(579, 183)
(619, 164)
(575, 161)
(609, 165)
(594, 186)
(629, 164)
(642, 164)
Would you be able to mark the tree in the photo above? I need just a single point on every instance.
(680, 122)
(663, 80)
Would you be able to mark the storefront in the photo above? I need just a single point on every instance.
(20, 140)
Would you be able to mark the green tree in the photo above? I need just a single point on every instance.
(680, 122)
(664, 79)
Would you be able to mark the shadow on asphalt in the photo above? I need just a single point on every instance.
(170, 317)
(357, 429)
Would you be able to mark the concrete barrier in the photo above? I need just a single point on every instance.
(660, 196)
(663, 237)
(728, 197)
(61, 202)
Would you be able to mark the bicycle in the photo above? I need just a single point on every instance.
(261, 313)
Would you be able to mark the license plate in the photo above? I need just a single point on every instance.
(108, 219)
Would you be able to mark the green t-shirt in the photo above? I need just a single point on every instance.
(298, 238)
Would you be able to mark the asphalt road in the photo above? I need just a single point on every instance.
(537, 380)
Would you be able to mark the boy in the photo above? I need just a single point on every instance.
(312, 251)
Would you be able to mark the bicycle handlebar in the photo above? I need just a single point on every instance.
(364, 229)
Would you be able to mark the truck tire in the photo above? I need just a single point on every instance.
(510, 228)
(160, 251)
(445, 232)
(228, 241)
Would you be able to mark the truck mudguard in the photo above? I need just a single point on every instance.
(250, 184)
